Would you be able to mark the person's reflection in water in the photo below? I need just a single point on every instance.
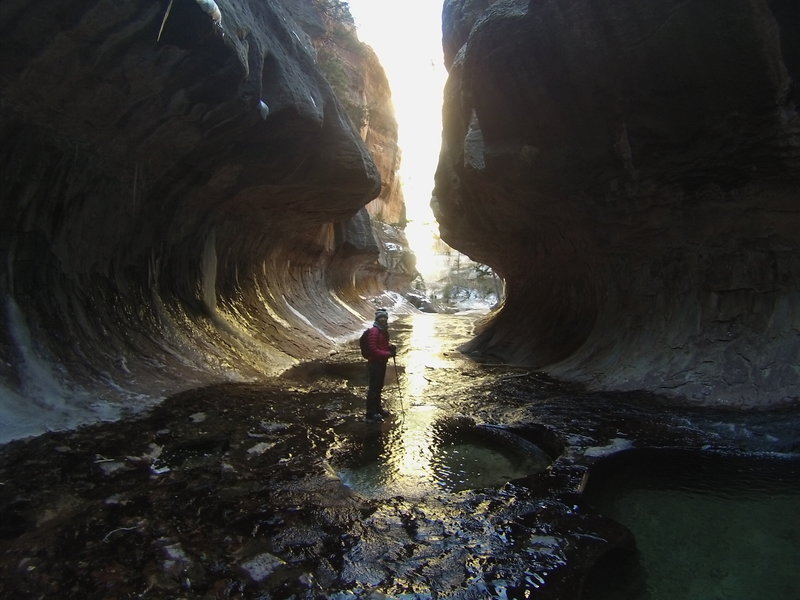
(374, 442)
(367, 468)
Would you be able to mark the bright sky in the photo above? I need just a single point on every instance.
(407, 37)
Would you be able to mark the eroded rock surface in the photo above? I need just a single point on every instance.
(183, 197)
(631, 171)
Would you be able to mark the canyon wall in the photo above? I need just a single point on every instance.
(631, 169)
(184, 193)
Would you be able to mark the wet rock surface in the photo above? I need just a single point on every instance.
(230, 491)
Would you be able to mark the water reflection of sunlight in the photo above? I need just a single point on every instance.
(410, 448)
(412, 456)
(423, 348)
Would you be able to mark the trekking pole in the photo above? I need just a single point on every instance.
(399, 389)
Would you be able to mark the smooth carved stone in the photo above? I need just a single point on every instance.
(631, 170)
(183, 196)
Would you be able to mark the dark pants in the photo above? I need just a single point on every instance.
(377, 373)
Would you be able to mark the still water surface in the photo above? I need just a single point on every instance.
(706, 527)
(412, 458)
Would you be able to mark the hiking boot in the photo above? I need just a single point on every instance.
(374, 418)
(384, 413)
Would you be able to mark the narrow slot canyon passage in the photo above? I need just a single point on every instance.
(581, 220)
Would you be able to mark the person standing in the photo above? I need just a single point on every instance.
(379, 351)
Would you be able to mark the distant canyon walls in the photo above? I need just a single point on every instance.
(183, 197)
(630, 168)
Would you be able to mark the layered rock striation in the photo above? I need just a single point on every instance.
(183, 193)
(631, 170)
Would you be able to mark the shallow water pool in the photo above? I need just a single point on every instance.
(413, 456)
(707, 527)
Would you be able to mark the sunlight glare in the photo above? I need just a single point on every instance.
(423, 352)
(407, 37)
(424, 346)
(413, 461)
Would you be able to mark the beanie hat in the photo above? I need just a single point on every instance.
(381, 312)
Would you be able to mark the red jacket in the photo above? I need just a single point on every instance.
(378, 344)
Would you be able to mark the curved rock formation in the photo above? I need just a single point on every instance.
(183, 197)
(631, 170)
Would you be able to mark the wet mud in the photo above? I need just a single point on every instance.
(239, 490)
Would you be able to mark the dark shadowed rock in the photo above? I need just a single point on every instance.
(183, 186)
(246, 490)
(631, 171)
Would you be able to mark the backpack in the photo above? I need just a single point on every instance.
(362, 342)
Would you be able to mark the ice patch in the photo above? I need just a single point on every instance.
(262, 566)
(260, 448)
(272, 427)
(198, 417)
(616, 445)
(109, 467)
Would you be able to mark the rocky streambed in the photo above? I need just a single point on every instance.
(239, 490)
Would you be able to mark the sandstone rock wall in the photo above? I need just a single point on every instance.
(631, 170)
(359, 81)
(183, 193)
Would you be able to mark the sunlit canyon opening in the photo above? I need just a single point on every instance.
(417, 75)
